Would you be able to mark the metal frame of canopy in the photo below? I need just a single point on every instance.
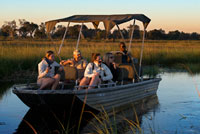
(109, 22)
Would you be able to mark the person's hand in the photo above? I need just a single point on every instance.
(60, 69)
(62, 62)
(114, 65)
(96, 73)
(70, 62)
(47, 69)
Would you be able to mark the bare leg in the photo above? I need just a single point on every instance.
(46, 82)
(94, 81)
(57, 79)
(85, 81)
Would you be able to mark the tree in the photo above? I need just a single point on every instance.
(173, 35)
(89, 33)
(84, 32)
(101, 34)
(184, 36)
(27, 28)
(116, 34)
(9, 29)
(74, 31)
(156, 34)
(136, 33)
(40, 32)
(194, 36)
(59, 32)
(32, 27)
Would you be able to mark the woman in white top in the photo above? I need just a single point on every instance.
(95, 72)
(46, 72)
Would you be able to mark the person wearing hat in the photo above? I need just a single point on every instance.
(77, 61)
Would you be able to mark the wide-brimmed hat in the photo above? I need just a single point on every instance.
(76, 52)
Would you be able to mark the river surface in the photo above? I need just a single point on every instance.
(177, 110)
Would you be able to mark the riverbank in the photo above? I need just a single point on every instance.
(17, 56)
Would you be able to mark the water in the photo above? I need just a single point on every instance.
(12, 110)
(177, 112)
(179, 105)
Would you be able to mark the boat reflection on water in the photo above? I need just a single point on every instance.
(47, 121)
(4, 87)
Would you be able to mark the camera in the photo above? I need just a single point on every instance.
(49, 66)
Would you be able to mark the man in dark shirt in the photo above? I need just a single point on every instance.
(126, 57)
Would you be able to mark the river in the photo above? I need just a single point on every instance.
(177, 109)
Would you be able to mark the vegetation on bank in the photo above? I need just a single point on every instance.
(24, 55)
(28, 29)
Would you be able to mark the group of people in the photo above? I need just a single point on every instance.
(96, 72)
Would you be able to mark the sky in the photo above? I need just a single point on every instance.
(169, 15)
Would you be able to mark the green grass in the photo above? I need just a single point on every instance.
(20, 55)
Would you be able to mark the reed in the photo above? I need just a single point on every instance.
(20, 55)
(123, 120)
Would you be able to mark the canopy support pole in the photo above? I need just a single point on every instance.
(141, 53)
(56, 52)
(63, 38)
(79, 36)
(131, 38)
(120, 32)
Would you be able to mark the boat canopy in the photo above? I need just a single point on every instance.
(109, 21)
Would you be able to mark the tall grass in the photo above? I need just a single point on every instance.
(20, 55)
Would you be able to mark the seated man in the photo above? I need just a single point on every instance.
(77, 61)
(126, 57)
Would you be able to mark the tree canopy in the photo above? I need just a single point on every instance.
(28, 29)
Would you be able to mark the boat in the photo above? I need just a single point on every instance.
(38, 117)
(131, 87)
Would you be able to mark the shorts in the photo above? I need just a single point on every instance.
(40, 80)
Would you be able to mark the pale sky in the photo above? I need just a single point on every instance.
(170, 15)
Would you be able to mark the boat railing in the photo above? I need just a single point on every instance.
(110, 84)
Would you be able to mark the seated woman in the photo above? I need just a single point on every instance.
(46, 72)
(95, 72)
(108, 59)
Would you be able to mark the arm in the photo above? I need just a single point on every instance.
(42, 69)
(108, 74)
(129, 58)
(88, 71)
(70, 62)
(85, 63)
(58, 65)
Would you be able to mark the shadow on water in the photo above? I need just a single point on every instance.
(4, 87)
(47, 121)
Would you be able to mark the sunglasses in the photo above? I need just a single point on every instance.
(123, 46)
(99, 59)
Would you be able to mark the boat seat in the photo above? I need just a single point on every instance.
(71, 73)
(126, 72)
(81, 73)
(118, 57)
(69, 77)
